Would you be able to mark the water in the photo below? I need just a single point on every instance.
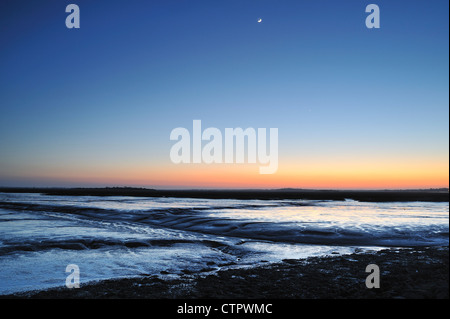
(114, 237)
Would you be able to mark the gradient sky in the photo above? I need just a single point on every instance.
(355, 107)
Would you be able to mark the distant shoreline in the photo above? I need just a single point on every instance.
(426, 195)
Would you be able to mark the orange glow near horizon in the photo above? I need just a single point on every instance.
(315, 175)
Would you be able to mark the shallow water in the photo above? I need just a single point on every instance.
(112, 237)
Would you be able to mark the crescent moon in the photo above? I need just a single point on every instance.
(260, 20)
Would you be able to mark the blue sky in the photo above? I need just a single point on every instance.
(110, 92)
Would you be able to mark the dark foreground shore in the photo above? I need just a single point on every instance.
(404, 273)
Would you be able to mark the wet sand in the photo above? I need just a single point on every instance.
(417, 273)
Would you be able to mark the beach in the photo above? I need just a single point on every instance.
(224, 150)
(293, 246)
(414, 273)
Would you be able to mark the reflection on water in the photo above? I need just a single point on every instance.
(110, 237)
(346, 214)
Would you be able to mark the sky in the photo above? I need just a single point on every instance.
(355, 107)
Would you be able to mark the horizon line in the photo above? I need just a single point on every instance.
(222, 189)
